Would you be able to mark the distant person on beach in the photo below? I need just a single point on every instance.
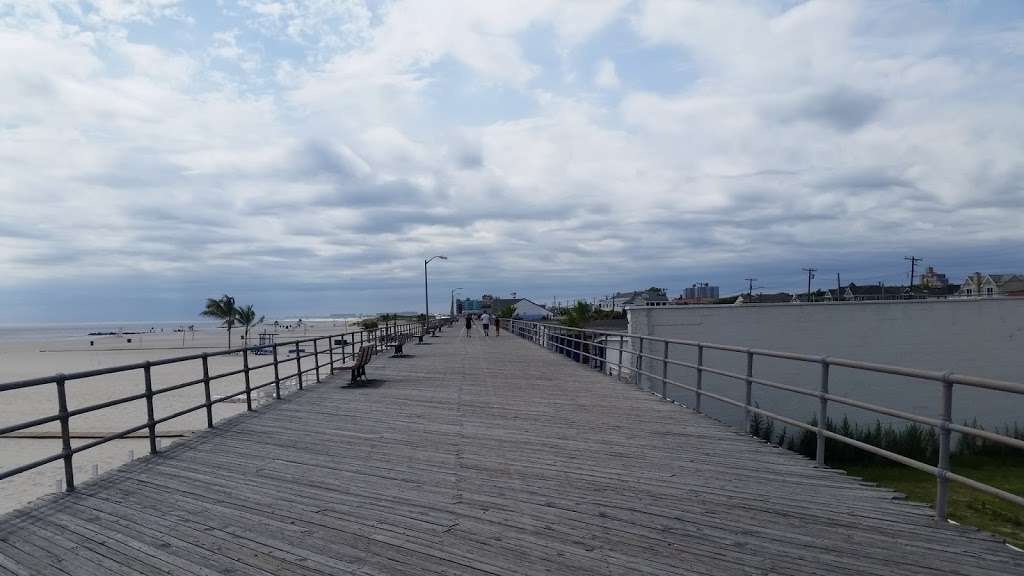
(485, 321)
(497, 326)
(469, 326)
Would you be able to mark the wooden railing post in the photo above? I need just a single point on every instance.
(65, 433)
(277, 376)
(819, 457)
(316, 359)
(330, 353)
(664, 373)
(206, 390)
(748, 396)
(298, 364)
(150, 420)
(942, 480)
(700, 376)
(248, 386)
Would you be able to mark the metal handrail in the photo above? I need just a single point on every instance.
(377, 338)
(571, 342)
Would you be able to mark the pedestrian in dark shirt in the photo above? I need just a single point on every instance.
(497, 326)
(469, 326)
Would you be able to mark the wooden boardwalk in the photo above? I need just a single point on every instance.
(483, 456)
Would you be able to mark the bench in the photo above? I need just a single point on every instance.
(358, 366)
(398, 343)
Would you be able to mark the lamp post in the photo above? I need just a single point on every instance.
(452, 312)
(426, 292)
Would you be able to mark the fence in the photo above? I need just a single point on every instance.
(632, 355)
(339, 347)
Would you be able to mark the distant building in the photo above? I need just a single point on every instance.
(932, 279)
(530, 310)
(651, 297)
(471, 306)
(986, 285)
(703, 291)
(487, 303)
(777, 298)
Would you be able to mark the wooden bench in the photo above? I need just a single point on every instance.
(398, 343)
(358, 366)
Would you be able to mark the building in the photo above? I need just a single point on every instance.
(776, 298)
(932, 279)
(529, 310)
(470, 306)
(986, 285)
(702, 291)
(651, 297)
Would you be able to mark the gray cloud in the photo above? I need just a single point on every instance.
(842, 108)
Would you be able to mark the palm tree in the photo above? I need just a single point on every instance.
(246, 316)
(222, 309)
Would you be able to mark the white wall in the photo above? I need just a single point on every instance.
(980, 337)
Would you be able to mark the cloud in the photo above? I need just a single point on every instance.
(605, 75)
(304, 145)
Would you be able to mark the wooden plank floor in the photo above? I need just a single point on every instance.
(483, 456)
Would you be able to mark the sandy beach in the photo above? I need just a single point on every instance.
(29, 352)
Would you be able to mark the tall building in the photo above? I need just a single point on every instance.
(700, 292)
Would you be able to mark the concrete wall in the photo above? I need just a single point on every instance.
(979, 337)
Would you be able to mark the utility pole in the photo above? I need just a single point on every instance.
(839, 287)
(913, 264)
(750, 285)
(810, 276)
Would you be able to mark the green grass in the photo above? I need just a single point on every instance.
(966, 505)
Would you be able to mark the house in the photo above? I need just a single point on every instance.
(854, 293)
(985, 285)
(529, 310)
(650, 297)
(932, 279)
(777, 298)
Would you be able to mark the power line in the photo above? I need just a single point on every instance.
(810, 275)
(913, 263)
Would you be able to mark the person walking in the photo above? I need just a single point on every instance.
(485, 322)
(497, 326)
(469, 326)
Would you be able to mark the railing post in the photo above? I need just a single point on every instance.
(664, 373)
(65, 433)
(206, 390)
(150, 420)
(942, 488)
(622, 341)
(749, 385)
(330, 353)
(277, 376)
(316, 360)
(640, 364)
(248, 386)
(298, 364)
(700, 376)
(819, 457)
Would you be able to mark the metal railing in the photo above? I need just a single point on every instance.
(339, 348)
(630, 356)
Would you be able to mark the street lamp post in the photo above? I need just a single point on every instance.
(426, 291)
(452, 312)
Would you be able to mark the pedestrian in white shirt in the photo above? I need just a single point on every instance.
(485, 321)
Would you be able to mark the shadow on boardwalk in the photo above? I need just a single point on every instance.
(483, 456)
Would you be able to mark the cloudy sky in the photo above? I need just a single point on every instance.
(306, 156)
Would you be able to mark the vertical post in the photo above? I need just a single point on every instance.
(65, 433)
(819, 457)
(277, 376)
(749, 385)
(640, 363)
(664, 373)
(330, 353)
(316, 360)
(942, 488)
(298, 364)
(700, 375)
(206, 390)
(150, 423)
(622, 341)
(245, 373)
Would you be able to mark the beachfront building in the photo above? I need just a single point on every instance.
(470, 306)
(933, 280)
(988, 285)
(651, 297)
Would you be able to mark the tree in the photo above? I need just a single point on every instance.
(246, 316)
(222, 309)
(578, 315)
(507, 311)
